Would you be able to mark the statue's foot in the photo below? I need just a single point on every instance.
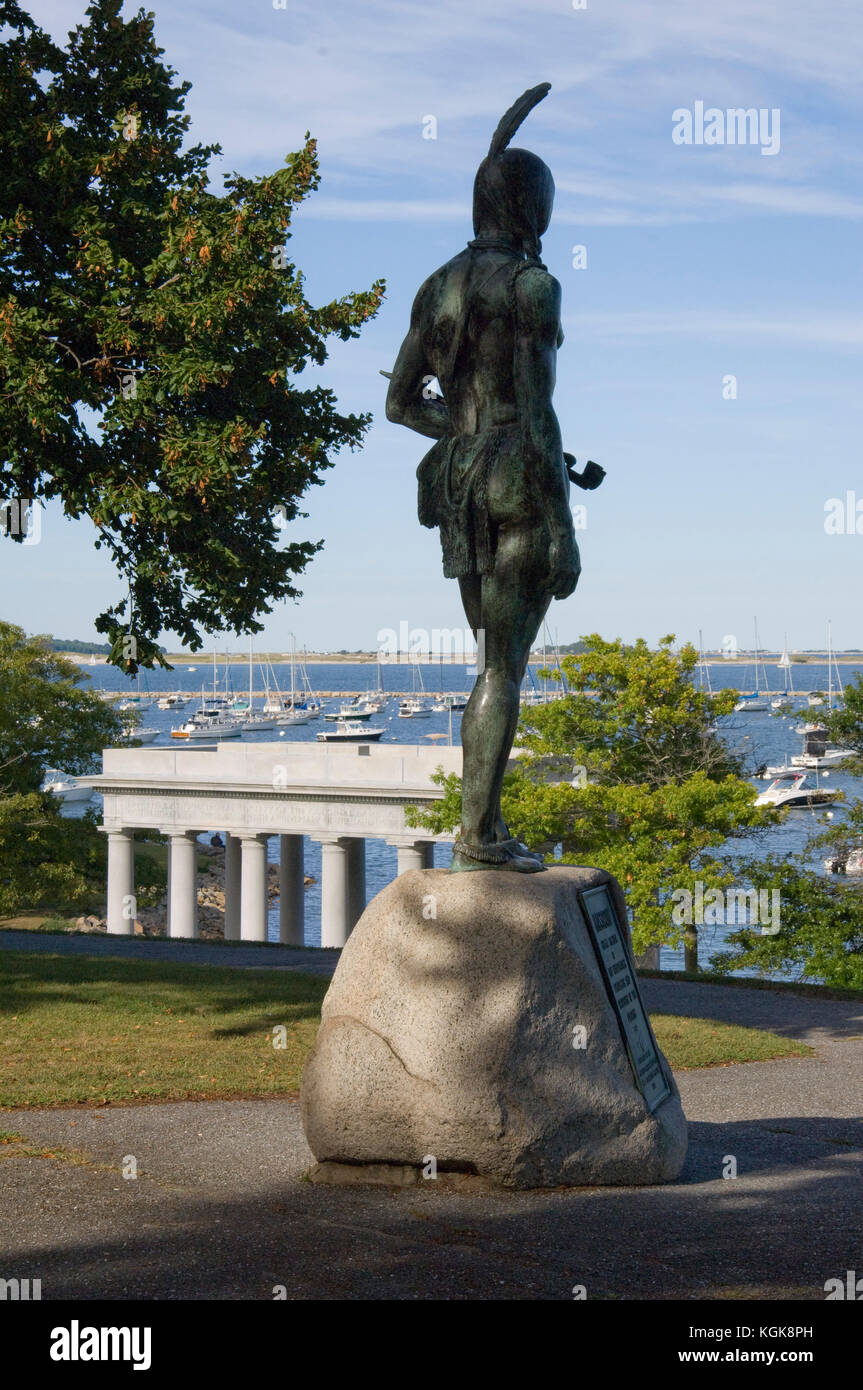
(504, 840)
(494, 856)
(516, 847)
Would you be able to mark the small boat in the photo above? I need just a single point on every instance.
(751, 704)
(792, 791)
(367, 706)
(64, 786)
(255, 723)
(768, 773)
(814, 761)
(142, 735)
(209, 726)
(291, 717)
(353, 712)
(456, 703)
(413, 709)
(349, 731)
(784, 665)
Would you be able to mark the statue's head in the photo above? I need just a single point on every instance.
(513, 190)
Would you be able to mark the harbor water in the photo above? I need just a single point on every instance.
(762, 736)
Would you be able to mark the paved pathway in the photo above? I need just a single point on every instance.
(219, 1209)
(239, 955)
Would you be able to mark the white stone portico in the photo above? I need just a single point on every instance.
(338, 795)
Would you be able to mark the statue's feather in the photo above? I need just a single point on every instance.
(510, 123)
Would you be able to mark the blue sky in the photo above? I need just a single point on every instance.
(702, 262)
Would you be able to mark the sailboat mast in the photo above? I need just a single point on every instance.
(757, 650)
(829, 665)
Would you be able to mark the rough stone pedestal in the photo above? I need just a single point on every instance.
(448, 1031)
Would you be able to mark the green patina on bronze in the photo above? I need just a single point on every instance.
(496, 482)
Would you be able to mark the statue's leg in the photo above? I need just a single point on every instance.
(509, 606)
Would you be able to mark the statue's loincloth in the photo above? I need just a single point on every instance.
(453, 485)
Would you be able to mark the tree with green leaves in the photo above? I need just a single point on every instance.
(821, 936)
(151, 334)
(49, 718)
(627, 770)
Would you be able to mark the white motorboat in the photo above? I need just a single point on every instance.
(176, 701)
(208, 726)
(348, 711)
(413, 709)
(368, 706)
(815, 761)
(64, 786)
(792, 791)
(142, 735)
(777, 770)
(456, 703)
(349, 731)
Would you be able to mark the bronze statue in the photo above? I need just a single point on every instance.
(496, 483)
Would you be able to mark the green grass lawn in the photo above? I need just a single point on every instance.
(702, 1042)
(79, 1030)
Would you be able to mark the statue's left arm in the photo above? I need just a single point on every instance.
(409, 400)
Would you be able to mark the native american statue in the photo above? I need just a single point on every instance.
(496, 482)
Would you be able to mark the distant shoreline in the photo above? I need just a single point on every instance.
(370, 658)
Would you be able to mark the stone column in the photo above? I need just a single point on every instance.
(232, 888)
(183, 873)
(253, 888)
(291, 880)
(356, 881)
(121, 883)
(335, 917)
(410, 854)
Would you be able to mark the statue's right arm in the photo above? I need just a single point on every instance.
(408, 401)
